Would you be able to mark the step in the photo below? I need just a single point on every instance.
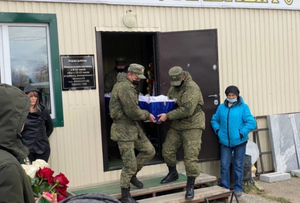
(199, 196)
(151, 186)
(274, 177)
(296, 172)
(201, 179)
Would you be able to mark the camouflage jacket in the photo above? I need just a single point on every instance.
(110, 79)
(188, 112)
(124, 110)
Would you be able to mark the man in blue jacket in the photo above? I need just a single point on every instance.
(232, 122)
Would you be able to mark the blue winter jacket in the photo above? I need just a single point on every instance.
(233, 124)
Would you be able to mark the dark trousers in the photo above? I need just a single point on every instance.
(33, 156)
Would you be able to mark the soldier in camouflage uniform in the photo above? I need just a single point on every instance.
(188, 121)
(125, 130)
(110, 78)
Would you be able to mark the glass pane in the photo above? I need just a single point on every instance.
(29, 59)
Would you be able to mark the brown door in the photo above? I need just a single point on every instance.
(196, 52)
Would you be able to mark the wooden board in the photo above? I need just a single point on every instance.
(201, 179)
(199, 196)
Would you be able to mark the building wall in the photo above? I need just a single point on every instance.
(258, 52)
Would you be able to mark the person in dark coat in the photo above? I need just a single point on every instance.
(38, 127)
(14, 184)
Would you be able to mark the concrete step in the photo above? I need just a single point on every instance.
(296, 172)
(274, 177)
(199, 196)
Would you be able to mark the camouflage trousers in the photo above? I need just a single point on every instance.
(191, 141)
(131, 163)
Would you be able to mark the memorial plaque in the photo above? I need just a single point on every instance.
(78, 72)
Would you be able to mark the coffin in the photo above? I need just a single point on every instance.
(154, 104)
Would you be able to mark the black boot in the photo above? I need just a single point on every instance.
(126, 197)
(172, 175)
(134, 181)
(190, 188)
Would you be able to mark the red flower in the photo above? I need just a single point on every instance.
(45, 173)
(61, 180)
(43, 181)
(61, 190)
(60, 197)
(50, 180)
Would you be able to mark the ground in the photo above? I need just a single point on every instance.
(283, 192)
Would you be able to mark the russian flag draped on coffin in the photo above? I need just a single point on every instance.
(154, 104)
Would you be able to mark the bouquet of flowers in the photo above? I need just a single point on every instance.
(42, 179)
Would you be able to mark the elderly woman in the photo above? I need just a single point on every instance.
(232, 122)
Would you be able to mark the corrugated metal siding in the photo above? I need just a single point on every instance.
(258, 52)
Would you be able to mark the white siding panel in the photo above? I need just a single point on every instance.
(258, 51)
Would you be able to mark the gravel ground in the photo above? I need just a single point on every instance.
(289, 190)
(247, 198)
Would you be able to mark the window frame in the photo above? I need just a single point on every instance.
(51, 20)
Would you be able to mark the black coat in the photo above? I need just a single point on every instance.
(38, 128)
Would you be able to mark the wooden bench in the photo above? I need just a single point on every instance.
(199, 196)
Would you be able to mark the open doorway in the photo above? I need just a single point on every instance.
(195, 51)
(135, 48)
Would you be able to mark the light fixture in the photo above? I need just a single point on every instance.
(129, 19)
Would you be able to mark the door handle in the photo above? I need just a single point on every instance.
(213, 95)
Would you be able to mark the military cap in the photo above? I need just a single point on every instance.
(120, 61)
(137, 69)
(175, 74)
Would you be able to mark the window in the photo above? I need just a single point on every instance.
(29, 55)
